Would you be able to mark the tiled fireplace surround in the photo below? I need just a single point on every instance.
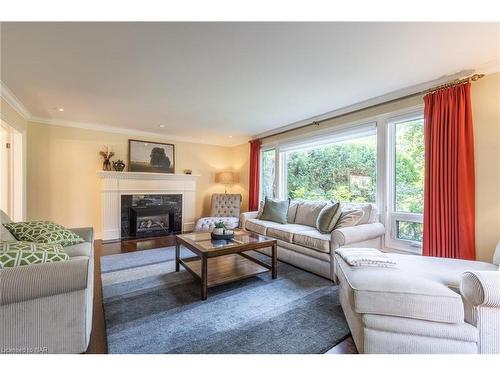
(114, 185)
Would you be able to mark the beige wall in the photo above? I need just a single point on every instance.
(241, 156)
(62, 164)
(486, 117)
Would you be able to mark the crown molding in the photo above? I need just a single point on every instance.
(13, 101)
(18, 106)
(116, 130)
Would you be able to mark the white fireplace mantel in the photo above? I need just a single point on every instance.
(116, 184)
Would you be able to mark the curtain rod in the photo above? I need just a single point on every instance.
(455, 82)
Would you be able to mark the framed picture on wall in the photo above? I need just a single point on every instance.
(151, 157)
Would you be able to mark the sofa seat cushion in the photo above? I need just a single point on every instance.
(303, 250)
(400, 292)
(285, 232)
(257, 226)
(313, 239)
(443, 270)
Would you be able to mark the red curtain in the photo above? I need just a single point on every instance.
(253, 190)
(449, 194)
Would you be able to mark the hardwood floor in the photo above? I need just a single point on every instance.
(98, 343)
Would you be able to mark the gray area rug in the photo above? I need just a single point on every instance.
(151, 309)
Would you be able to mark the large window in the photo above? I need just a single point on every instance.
(407, 185)
(341, 167)
(267, 174)
(358, 163)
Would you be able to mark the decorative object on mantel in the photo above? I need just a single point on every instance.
(106, 154)
(221, 232)
(151, 157)
(188, 171)
(226, 178)
(119, 165)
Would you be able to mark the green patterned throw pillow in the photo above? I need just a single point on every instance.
(20, 253)
(43, 232)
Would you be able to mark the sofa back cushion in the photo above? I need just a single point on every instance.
(5, 235)
(308, 212)
(292, 211)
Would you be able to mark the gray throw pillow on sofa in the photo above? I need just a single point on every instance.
(349, 218)
(328, 217)
(275, 210)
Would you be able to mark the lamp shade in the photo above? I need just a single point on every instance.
(226, 178)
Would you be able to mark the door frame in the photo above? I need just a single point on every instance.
(17, 170)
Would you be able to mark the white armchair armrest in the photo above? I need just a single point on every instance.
(86, 233)
(357, 233)
(24, 283)
(480, 291)
(496, 255)
(246, 216)
(481, 288)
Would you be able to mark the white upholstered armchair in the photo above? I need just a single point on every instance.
(225, 208)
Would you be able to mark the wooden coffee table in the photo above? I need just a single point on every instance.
(220, 262)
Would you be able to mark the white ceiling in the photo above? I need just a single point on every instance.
(208, 81)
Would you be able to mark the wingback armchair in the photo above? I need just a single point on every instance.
(225, 208)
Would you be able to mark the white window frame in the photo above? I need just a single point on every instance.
(393, 216)
(263, 149)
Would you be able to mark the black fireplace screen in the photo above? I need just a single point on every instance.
(151, 215)
(150, 221)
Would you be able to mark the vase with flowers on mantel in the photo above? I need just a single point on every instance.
(107, 154)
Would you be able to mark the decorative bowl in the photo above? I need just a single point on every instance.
(222, 236)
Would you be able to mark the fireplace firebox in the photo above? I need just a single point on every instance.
(151, 215)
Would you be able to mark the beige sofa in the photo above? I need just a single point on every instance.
(301, 244)
(423, 305)
(47, 308)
